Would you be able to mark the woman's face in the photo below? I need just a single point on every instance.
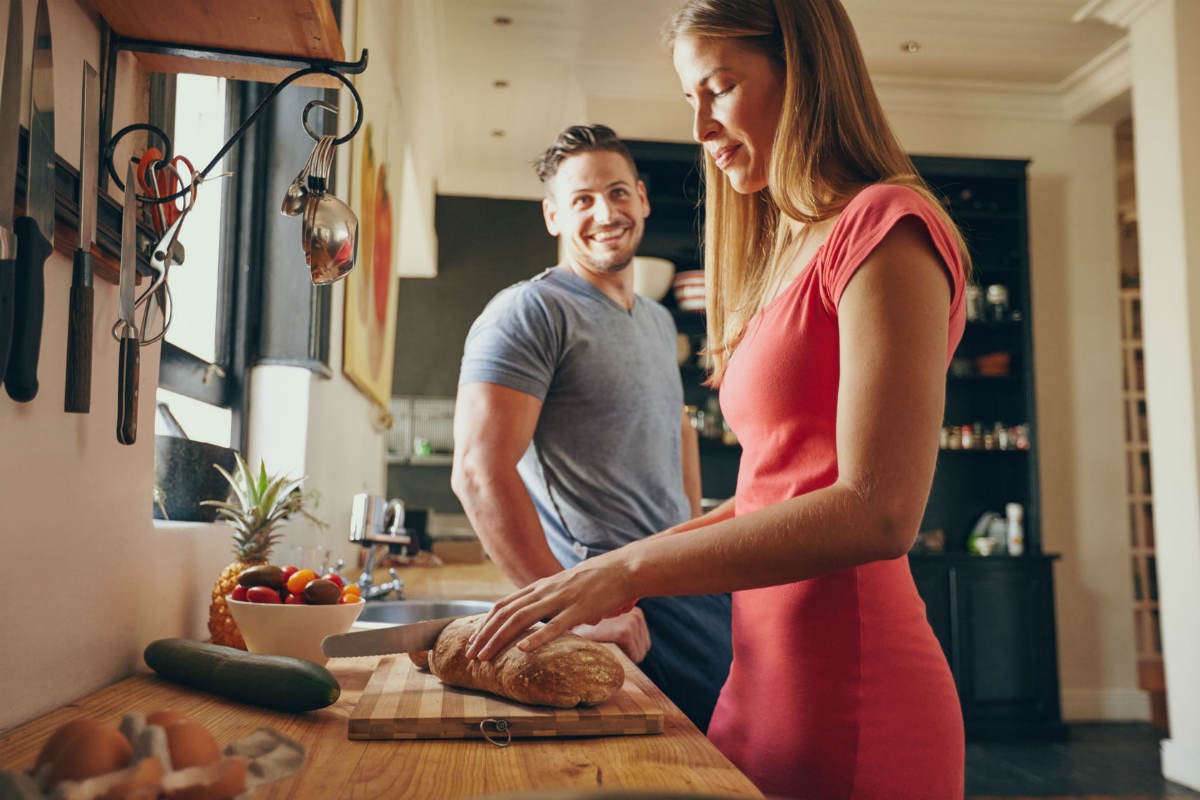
(736, 95)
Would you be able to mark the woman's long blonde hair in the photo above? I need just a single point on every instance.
(833, 139)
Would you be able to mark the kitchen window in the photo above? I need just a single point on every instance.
(197, 377)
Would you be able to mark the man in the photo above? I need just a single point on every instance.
(569, 431)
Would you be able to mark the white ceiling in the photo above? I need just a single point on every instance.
(569, 61)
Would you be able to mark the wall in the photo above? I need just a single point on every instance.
(93, 574)
(92, 579)
(485, 245)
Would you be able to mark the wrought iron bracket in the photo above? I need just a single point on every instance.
(114, 43)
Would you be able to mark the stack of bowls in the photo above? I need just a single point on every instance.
(689, 290)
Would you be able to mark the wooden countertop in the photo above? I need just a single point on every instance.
(680, 759)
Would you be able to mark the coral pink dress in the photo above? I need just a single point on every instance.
(838, 687)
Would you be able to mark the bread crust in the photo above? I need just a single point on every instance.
(566, 672)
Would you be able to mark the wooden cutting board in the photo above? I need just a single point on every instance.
(403, 702)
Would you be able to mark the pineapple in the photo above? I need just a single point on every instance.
(255, 508)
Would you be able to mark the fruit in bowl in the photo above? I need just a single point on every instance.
(258, 504)
(287, 611)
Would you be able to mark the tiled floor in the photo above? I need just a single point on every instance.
(1100, 760)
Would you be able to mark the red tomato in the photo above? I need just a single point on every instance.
(295, 600)
(239, 592)
(289, 571)
(333, 576)
(262, 594)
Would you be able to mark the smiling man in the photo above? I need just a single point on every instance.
(569, 433)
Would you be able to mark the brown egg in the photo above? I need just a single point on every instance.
(165, 717)
(191, 745)
(60, 737)
(91, 752)
(223, 781)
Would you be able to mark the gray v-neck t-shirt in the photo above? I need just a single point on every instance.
(604, 466)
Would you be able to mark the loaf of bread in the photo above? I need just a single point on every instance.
(566, 672)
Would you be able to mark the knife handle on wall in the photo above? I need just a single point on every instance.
(20, 378)
(127, 387)
(8, 290)
(78, 398)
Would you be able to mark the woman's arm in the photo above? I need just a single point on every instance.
(893, 321)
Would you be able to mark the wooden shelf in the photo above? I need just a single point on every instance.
(304, 29)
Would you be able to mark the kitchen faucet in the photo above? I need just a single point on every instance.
(374, 521)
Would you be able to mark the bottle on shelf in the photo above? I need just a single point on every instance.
(1015, 513)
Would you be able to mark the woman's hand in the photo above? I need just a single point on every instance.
(582, 595)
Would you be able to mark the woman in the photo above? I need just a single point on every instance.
(835, 286)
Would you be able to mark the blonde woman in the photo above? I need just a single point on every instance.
(835, 286)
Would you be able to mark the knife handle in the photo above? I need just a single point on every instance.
(78, 397)
(8, 274)
(20, 378)
(127, 387)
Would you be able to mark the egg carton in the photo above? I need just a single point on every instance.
(160, 766)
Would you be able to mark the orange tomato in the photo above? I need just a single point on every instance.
(299, 580)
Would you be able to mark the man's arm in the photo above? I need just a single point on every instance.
(691, 466)
(493, 426)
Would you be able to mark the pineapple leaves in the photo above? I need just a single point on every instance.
(257, 504)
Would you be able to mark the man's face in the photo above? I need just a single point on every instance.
(596, 204)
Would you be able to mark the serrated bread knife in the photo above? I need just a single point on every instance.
(411, 638)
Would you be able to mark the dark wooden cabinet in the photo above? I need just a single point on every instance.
(994, 618)
(994, 615)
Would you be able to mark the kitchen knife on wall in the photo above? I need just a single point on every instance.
(410, 638)
(78, 397)
(35, 230)
(10, 129)
(128, 367)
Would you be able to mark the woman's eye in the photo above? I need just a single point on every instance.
(722, 92)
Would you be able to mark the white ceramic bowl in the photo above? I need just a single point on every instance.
(291, 630)
(652, 276)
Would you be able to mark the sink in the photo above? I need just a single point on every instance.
(401, 612)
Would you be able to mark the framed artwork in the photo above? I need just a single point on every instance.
(376, 165)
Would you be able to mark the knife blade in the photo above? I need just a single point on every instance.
(35, 230)
(78, 397)
(410, 638)
(10, 124)
(128, 366)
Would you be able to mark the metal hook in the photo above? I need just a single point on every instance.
(498, 726)
(322, 104)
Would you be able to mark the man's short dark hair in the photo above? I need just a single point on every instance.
(580, 139)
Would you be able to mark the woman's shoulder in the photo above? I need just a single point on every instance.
(885, 198)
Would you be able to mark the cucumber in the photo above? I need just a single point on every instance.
(279, 682)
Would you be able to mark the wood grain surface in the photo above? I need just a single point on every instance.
(678, 760)
(403, 702)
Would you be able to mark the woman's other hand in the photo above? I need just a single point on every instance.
(627, 631)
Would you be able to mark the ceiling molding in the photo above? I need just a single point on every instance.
(1098, 82)
(1122, 13)
(969, 98)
